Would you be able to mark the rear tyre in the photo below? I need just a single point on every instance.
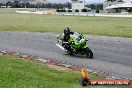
(89, 53)
(70, 53)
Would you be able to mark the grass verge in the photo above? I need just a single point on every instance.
(108, 26)
(18, 73)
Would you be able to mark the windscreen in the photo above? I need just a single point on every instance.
(76, 36)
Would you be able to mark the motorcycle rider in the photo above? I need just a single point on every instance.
(67, 33)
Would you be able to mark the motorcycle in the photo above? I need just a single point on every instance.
(76, 44)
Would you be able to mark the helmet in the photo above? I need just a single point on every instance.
(67, 31)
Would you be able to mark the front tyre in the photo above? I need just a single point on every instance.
(89, 53)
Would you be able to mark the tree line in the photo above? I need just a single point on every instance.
(114, 1)
(17, 4)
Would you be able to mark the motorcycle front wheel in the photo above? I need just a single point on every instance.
(89, 53)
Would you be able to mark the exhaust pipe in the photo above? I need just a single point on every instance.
(61, 47)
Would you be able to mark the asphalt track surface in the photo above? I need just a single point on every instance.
(111, 54)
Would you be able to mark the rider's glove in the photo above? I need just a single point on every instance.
(72, 43)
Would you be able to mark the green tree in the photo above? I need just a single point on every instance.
(61, 6)
(16, 4)
(27, 5)
(8, 3)
(92, 6)
(49, 5)
(99, 6)
(114, 1)
(111, 0)
(120, 1)
(67, 5)
(1, 4)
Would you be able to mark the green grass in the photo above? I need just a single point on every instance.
(18, 73)
(10, 21)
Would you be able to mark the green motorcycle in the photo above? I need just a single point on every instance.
(76, 45)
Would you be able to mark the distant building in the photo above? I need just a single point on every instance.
(41, 1)
(38, 1)
(117, 7)
(3, 6)
(78, 4)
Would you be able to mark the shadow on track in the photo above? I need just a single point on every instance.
(77, 56)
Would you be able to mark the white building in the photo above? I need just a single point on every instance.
(41, 1)
(78, 4)
(107, 4)
(123, 7)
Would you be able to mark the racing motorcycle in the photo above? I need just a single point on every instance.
(76, 44)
